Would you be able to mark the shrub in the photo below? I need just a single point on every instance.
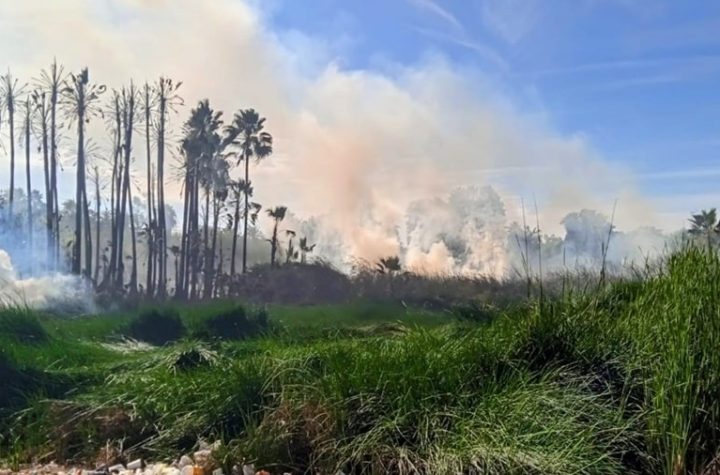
(22, 326)
(157, 326)
(474, 312)
(233, 324)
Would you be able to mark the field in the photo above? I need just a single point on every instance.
(620, 377)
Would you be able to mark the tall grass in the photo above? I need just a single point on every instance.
(620, 378)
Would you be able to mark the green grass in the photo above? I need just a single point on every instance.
(620, 379)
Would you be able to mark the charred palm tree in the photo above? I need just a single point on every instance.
(277, 214)
(51, 83)
(166, 100)
(11, 91)
(291, 253)
(305, 249)
(247, 134)
(81, 98)
(28, 109)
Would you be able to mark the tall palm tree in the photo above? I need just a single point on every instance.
(246, 132)
(80, 98)
(238, 188)
(11, 90)
(277, 214)
(166, 98)
(41, 105)
(291, 252)
(305, 249)
(705, 224)
(200, 144)
(147, 106)
(27, 131)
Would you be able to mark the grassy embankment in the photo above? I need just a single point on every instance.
(622, 379)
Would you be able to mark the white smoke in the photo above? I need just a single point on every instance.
(51, 291)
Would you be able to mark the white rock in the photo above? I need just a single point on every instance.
(119, 468)
(218, 471)
(249, 469)
(185, 461)
(135, 464)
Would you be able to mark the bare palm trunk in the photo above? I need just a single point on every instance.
(161, 224)
(80, 180)
(149, 284)
(133, 241)
(96, 275)
(236, 223)
(245, 217)
(48, 186)
(54, 91)
(10, 103)
(29, 184)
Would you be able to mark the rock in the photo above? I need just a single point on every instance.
(117, 468)
(218, 471)
(185, 461)
(187, 470)
(202, 458)
(248, 469)
(135, 464)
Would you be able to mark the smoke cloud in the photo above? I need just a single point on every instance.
(374, 162)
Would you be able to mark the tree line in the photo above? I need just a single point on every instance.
(57, 104)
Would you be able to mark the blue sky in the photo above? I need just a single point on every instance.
(639, 79)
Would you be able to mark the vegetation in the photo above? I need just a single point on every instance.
(618, 378)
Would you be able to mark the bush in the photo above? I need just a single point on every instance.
(157, 326)
(22, 326)
(233, 324)
(474, 312)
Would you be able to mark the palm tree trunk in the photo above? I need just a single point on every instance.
(161, 225)
(236, 219)
(96, 275)
(54, 91)
(48, 186)
(10, 103)
(80, 180)
(245, 217)
(29, 184)
(150, 218)
(133, 240)
(88, 234)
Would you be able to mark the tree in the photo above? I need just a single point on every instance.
(51, 83)
(147, 106)
(291, 252)
(27, 131)
(80, 98)
(277, 214)
(246, 133)
(167, 99)
(705, 225)
(200, 144)
(305, 249)
(388, 265)
(11, 90)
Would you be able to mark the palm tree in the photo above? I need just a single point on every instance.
(291, 252)
(305, 249)
(28, 120)
(277, 214)
(10, 92)
(388, 265)
(147, 105)
(80, 98)
(41, 104)
(238, 188)
(246, 132)
(166, 99)
(200, 144)
(52, 81)
(705, 224)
